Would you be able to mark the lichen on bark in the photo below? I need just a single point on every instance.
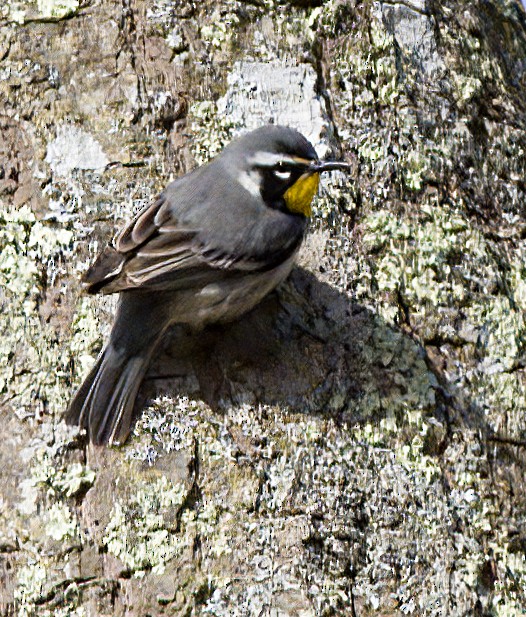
(355, 446)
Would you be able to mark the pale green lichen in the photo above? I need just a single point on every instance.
(291, 26)
(33, 584)
(506, 601)
(34, 587)
(20, 11)
(85, 335)
(58, 8)
(372, 149)
(205, 523)
(294, 448)
(141, 531)
(74, 479)
(33, 254)
(411, 457)
(419, 253)
(55, 481)
(14, 11)
(502, 333)
(31, 579)
(414, 166)
(219, 26)
(211, 131)
(59, 522)
(412, 384)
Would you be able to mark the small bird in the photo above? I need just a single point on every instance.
(211, 246)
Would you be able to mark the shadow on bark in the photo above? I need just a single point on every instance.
(309, 349)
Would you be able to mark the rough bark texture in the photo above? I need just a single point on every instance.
(356, 445)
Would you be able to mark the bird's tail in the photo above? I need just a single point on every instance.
(104, 403)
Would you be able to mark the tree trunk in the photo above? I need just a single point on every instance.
(355, 445)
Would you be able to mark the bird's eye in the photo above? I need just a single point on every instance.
(281, 172)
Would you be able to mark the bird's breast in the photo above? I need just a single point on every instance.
(228, 299)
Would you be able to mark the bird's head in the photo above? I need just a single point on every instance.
(280, 165)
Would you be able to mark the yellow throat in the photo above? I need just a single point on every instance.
(300, 195)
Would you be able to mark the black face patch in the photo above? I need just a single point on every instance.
(276, 180)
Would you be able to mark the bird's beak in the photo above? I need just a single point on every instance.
(317, 167)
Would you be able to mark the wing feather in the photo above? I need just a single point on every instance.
(143, 251)
(184, 239)
(142, 227)
(167, 242)
(153, 269)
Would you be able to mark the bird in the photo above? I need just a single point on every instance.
(206, 251)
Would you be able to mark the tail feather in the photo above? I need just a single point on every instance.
(105, 401)
(112, 422)
(77, 413)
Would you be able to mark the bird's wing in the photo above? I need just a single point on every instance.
(204, 227)
(156, 251)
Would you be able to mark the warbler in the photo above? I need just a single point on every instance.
(207, 250)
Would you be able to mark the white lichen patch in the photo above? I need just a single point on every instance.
(276, 92)
(167, 425)
(72, 149)
(219, 26)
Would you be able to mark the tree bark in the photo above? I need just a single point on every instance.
(355, 445)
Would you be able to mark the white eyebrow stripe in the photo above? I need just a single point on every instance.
(268, 159)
